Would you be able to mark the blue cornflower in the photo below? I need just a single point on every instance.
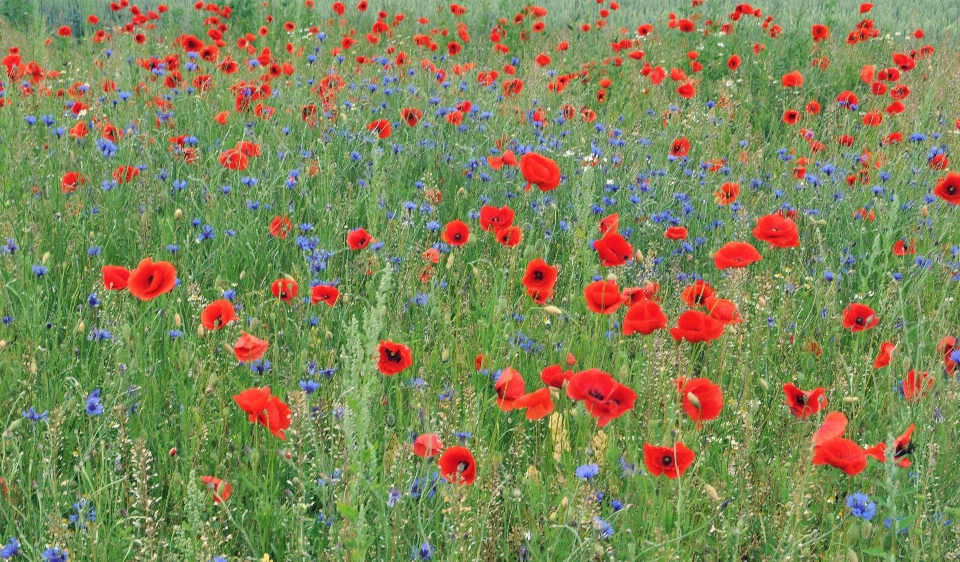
(606, 529)
(394, 497)
(40, 270)
(587, 471)
(309, 386)
(10, 549)
(94, 406)
(32, 415)
(93, 300)
(54, 554)
(260, 366)
(861, 506)
(424, 552)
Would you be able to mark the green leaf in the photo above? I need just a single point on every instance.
(348, 512)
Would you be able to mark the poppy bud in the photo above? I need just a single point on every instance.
(853, 534)
(81, 327)
(611, 277)
(765, 384)
(693, 400)
(14, 425)
(865, 529)
(923, 211)
(344, 299)
(552, 310)
(711, 492)
(201, 331)
(46, 256)
(3, 344)
(850, 399)
(177, 320)
(445, 355)
(227, 347)
(178, 214)
(243, 274)
(761, 303)
(289, 277)
(33, 367)
(450, 261)
(564, 502)
(852, 556)
(475, 271)
(254, 324)
(173, 452)
(639, 257)
(329, 335)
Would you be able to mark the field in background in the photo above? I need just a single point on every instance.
(122, 435)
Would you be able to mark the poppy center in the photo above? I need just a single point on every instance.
(462, 466)
(904, 449)
(394, 356)
(802, 400)
(951, 189)
(594, 393)
(538, 275)
(667, 460)
(860, 321)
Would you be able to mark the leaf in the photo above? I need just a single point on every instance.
(348, 512)
(876, 551)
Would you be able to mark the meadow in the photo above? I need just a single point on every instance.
(416, 281)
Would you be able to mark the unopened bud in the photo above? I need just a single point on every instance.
(33, 367)
(639, 257)
(765, 384)
(178, 214)
(711, 492)
(46, 256)
(850, 399)
(177, 320)
(445, 355)
(552, 310)
(289, 277)
(450, 260)
(81, 327)
(692, 398)
(611, 277)
(329, 335)
(201, 331)
(243, 274)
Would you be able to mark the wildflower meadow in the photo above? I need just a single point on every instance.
(406, 281)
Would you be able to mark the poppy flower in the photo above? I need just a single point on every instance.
(510, 236)
(457, 465)
(613, 249)
(644, 317)
(917, 385)
(841, 453)
(284, 289)
(220, 489)
(697, 293)
(411, 116)
(603, 297)
(380, 127)
(324, 293)
(115, 277)
(883, 357)
(676, 233)
(280, 227)
(946, 347)
(233, 159)
(820, 32)
(679, 148)
(427, 445)
(509, 386)
(492, 218)
(217, 315)
(602, 396)
(456, 233)
(151, 279)
(695, 326)
(358, 239)
(733, 62)
(791, 116)
(538, 404)
(804, 403)
(687, 91)
(554, 376)
(70, 182)
(723, 310)
(669, 461)
(702, 399)
(64, 31)
(125, 174)
(859, 317)
(249, 348)
(903, 446)
(792, 80)
(900, 247)
(812, 107)
(394, 357)
(727, 193)
(610, 223)
(267, 410)
(948, 188)
(736, 254)
(777, 230)
(540, 171)
(539, 279)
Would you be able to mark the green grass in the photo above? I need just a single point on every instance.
(324, 493)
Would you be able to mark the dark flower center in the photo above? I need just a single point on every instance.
(667, 460)
(538, 275)
(902, 450)
(594, 393)
(802, 400)
(394, 356)
(860, 321)
(462, 466)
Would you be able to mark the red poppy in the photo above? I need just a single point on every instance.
(820, 32)
(669, 461)
(613, 249)
(723, 310)
(540, 171)
(457, 465)
(411, 115)
(791, 116)
(702, 399)
(777, 231)
(554, 376)
(676, 233)
(284, 289)
(610, 223)
(813, 107)
(358, 239)
(644, 317)
(727, 193)
(841, 453)
(394, 357)
(948, 188)
(115, 277)
(883, 357)
(603, 297)
(736, 254)
(249, 348)
(917, 385)
(380, 127)
(280, 227)
(859, 317)
(70, 182)
(538, 404)
(804, 403)
(733, 62)
(456, 233)
(680, 147)
(269, 411)
(695, 326)
(509, 387)
(687, 91)
(64, 31)
(792, 80)
(900, 247)
(150, 280)
(427, 445)
(903, 446)
(698, 293)
(233, 159)
(603, 397)
(510, 236)
(539, 279)
(125, 174)
(492, 218)
(946, 347)
(217, 315)
(324, 293)
(220, 489)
